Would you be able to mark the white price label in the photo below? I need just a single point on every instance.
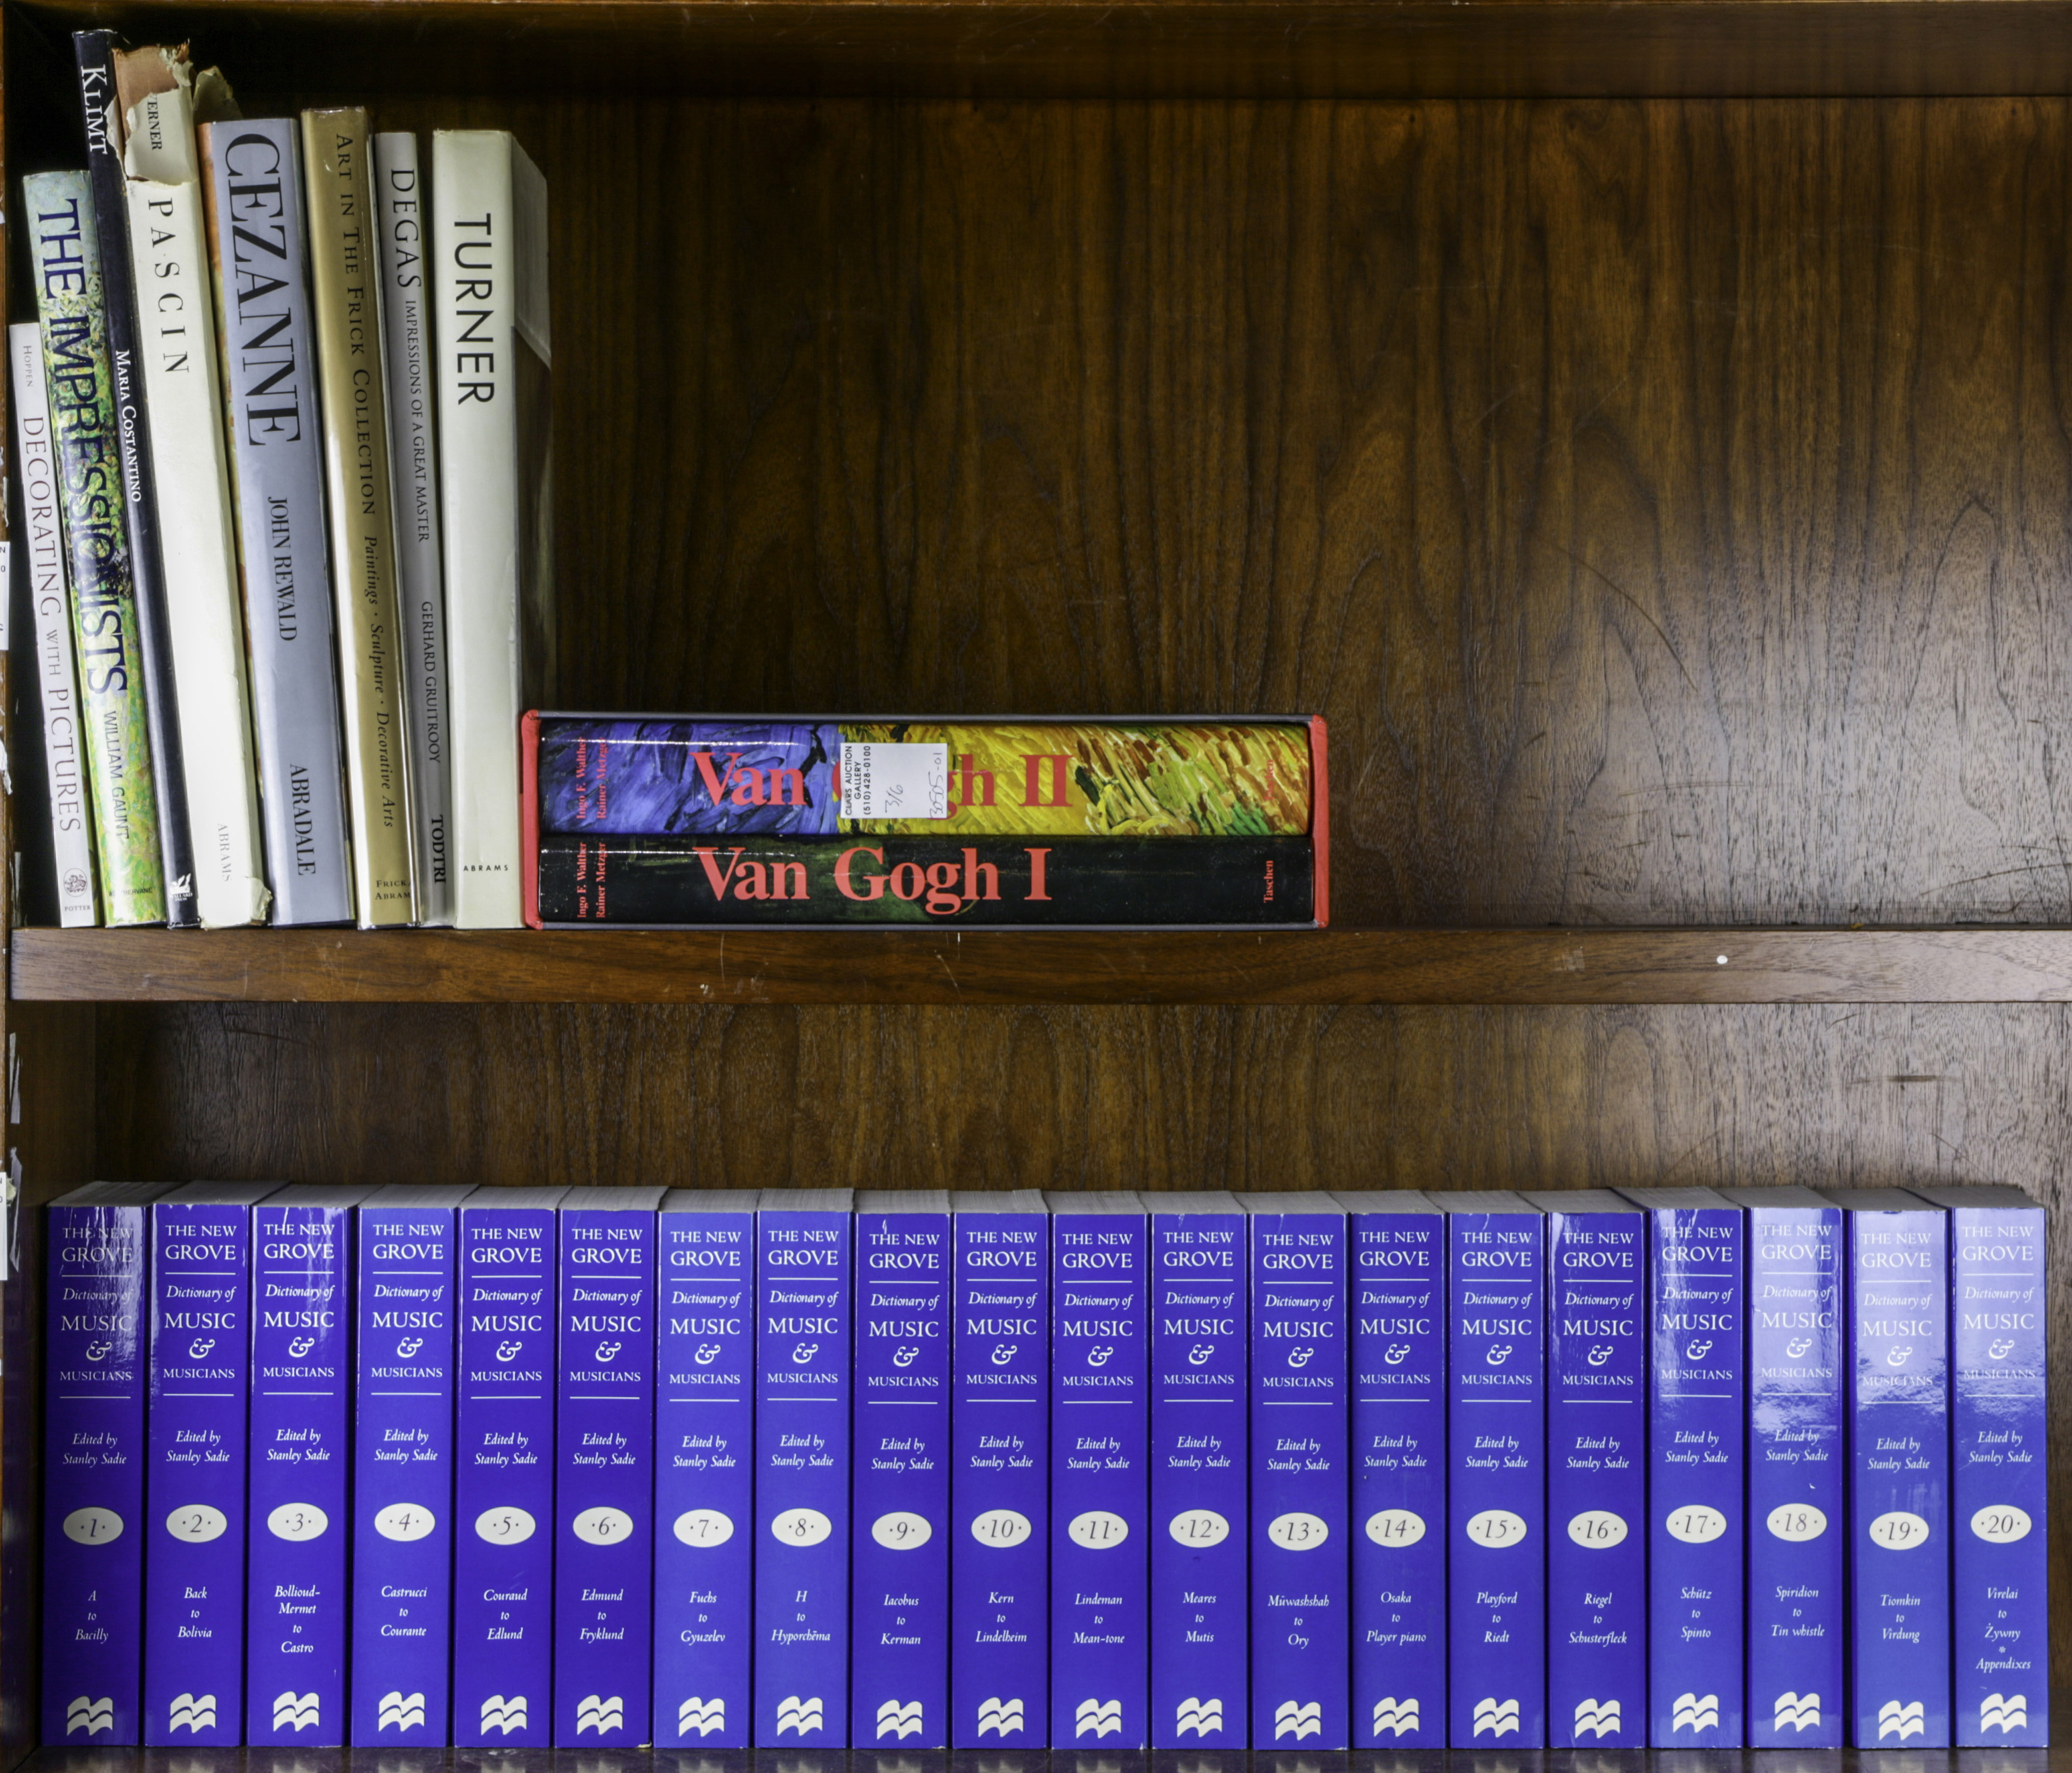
(98, 1526)
(1899, 1531)
(298, 1521)
(703, 1528)
(1797, 1522)
(197, 1523)
(1497, 1529)
(504, 1526)
(1598, 1529)
(404, 1521)
(2000, 1525)
(901, 1531)
(1396, 1527)
(1198, 1528)
(895, 781)
(1098, 1530)
(800, 1527)
(1001, 1528)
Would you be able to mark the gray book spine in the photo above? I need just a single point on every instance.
(255, 198)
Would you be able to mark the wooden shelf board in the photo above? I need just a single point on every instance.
(1498, 966)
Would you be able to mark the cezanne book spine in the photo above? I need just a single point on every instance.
(253, 182)
(899, 1670)
(1596, 1479)
(803, 1342)
(604, 1543)
(1199, 1623)
(402, 1475)
(705, 1478)
(1100, 1432)
(135, 515)
(1798, 1459)
(194, 1504)
(1000, 1425)
(94, 1523)
(301, 1414)
(504, 1475)
(1398, 1434)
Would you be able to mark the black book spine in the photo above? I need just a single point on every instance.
(929, 883)
(100, 112)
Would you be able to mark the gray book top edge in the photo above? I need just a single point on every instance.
(114, 1193)
(1666, 1200)
(1583, 1200)
(1006, 1200)
(710, 1200)
(1992, 1196)
(1106, 1200)
(319, 1194)
(902, 1200)
(613, 1200)
(1480, 1200)
(806, 1200)
(1305, 1200)
(1877, 1200)
(1205, 1200)
(489, 1198)
(1785, 1195)
(393, 1194)
(1385, 1200)
(220, 1193)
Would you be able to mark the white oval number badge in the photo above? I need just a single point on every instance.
(1695, 1525)
(1598, 1529)
(1498, 1528)
(196, 1523)
(1001, 1528)
(504, 1526)
(603, 1526)
(1098, 1530)
(1395, 1527)
(702, 1528)
(1797, 1522)
(1198, 1528)
(1899, 1531)
(98, 1526)
(900, 1532)
(2000, 1525)
(404, 1521)
(800, 1527)
(298, 1521)
(1298, 1532)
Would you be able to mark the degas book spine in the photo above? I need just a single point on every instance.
(402, 1467)
(1899, 1504)
(503, 1469)
(899, 1658)
(926, 882)
(704, 1468)
(1398, 1437)
(253, 186)
(71, 307)
(1797, 1465)
(94, 1523)
(490, 321)
(127, 474)
(1000, 1425)
(195, 1499)
(301, 1428)
(1200, 1625)
(184, 411)
(1100, 1431)
(803, 1439)
(401, 189)
(1496, 1477)
(604, 1530)
(1300, 1558)
(1596, 1471)
(345, 281)
(57, 680)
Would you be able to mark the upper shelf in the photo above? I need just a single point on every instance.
(1334, 967)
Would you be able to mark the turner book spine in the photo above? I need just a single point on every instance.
(95, 1528)
(1000, 1425)
(900, 1576)
(503, 1512)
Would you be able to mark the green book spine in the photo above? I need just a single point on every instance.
(69, 307)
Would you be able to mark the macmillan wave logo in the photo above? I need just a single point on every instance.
(1097, 1719)
(1797, 1711)
(1895, 1719)
(1694, 1712)
(1498, 1719)
(1000, 1716)
(506, 1715)
(1298, 1720)
(298, 1713)
(400, 1711)
(1398, 1715)
(192, 1711)
(600, 1713)
(799, 1715)
(1600, 1721)
(894, 1719)
(2002, 1712)
(1201, 1716)
(90, 1715)
(704, 1716)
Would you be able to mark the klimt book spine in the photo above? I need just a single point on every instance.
(1100, 1435)
(1496, 1432)
(57, 680)
(1596, 1470)
(604, 1542)
(1000, 1426)
(503, 1469)
(1199, 1472)
(705, 1466)
(804, 1338)
(1797, 1460)
(401, 190)
(70, 308)
(297, 1602)
(1397, 1246)
(405, 1270)
(899, 1660)
(96, 1255)
(253, 187)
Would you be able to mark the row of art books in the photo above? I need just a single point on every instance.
(280, 431)
(534, 1467)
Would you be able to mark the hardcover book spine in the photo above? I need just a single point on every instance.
(1596, 1479)
(65, 253)
(402, 1475)
(503, 1477)
(253, 182)
(1999, 1476)
(148, 637)
(1100, 1432)
(604, 1535)
(803, 1341)
(999, 1423)
(94, 1522)
(899, 1671)
(345, 280)
(1200, 1629)
(406, 324)
(57, 681)
(1899, 1504)
(1797, 1509)
(194, 1504)
(1398, 1434)
(1496, 1433)
(705, 1488)
(1301, 1569)
(301, 1407)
